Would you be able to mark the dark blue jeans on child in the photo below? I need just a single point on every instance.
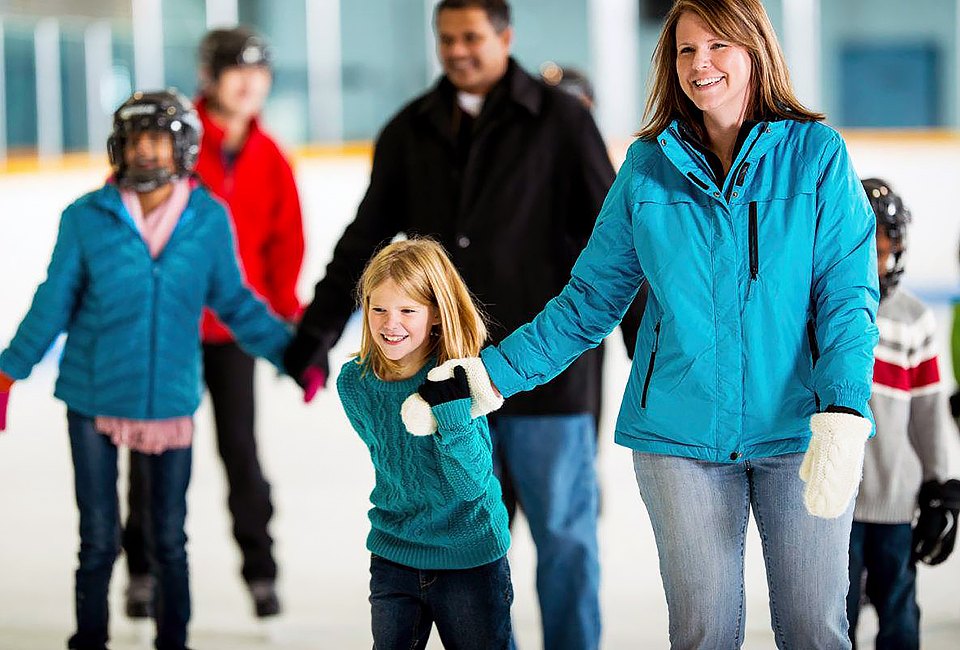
(95, 478)
(470, 607)
(882, 552)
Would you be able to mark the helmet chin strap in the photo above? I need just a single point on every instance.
(890, 280)
(146, 180)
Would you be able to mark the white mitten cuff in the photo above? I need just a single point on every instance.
(833, 464)
(416, 413)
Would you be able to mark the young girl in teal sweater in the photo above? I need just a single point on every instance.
(439, 533)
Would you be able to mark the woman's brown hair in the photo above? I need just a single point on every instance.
(745, 23)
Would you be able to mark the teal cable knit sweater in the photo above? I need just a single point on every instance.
(436, 502)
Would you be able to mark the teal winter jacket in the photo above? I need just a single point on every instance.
(763, 295)
(132, 322)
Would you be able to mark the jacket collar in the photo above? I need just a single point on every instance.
(761, 138)
(518, 87)
(108, 199)
(213, 134)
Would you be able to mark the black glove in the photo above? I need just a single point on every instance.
(307, 350)
(447, 390)
(955, 404)
(936, 529)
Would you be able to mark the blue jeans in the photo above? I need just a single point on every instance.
(699, 511)
(95, 478)
(882, 553)
(550, 461)
(470, 607)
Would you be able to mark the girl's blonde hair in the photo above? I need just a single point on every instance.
(745, 23)
(421, 268)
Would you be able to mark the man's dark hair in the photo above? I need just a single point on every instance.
(498, 11)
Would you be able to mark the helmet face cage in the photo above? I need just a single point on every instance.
(892, 217)
(166, 111)
(226, 48)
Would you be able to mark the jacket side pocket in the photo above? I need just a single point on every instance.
(653, 358)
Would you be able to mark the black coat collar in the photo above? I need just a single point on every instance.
(518, 87)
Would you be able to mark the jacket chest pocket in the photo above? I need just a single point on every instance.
(753, 239)
(670, 239)
(777, 237)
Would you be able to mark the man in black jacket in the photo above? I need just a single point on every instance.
(509, 175)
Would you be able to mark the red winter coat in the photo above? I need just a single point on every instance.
(261, 194)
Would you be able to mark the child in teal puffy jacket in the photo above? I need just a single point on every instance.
(133, 266)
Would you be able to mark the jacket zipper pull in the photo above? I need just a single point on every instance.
(743, 174)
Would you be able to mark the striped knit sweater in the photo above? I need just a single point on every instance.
(907, 402)
(436, 502)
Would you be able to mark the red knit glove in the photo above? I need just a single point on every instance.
(5, 383)
(314, 378)
(4, 398)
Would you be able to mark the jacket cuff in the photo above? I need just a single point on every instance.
(9, 366)
(849, 397)
(502, 374)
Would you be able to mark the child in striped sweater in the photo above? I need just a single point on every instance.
(909, 448)
(439, 533)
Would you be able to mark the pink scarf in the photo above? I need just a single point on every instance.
(156, 227)
(152, 436)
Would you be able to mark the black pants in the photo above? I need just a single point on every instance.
(228, 372)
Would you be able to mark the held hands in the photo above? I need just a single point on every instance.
(305, 359)
(833, 464)
(936, 529)
(416, 410)
(435, 392)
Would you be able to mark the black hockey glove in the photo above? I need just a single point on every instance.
(936, 529)
(955, 404)
(447, 390)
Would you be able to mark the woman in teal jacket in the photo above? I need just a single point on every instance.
(133, 266)
(754, 360)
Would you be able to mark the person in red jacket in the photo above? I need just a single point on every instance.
(245, 168)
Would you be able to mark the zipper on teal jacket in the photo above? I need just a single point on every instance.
(155, 272)
(653, 358)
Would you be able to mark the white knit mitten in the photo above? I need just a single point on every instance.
(833, 464)
(416, 413)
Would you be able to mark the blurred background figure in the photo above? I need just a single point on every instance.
(568, 80)
(243, 166)
(576, 83)
(909, 449)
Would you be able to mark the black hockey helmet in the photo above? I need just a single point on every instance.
(569, 80)
(162, 110)
(224, 48)
(893, 217)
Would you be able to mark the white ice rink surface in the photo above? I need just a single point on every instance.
(321, 473)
